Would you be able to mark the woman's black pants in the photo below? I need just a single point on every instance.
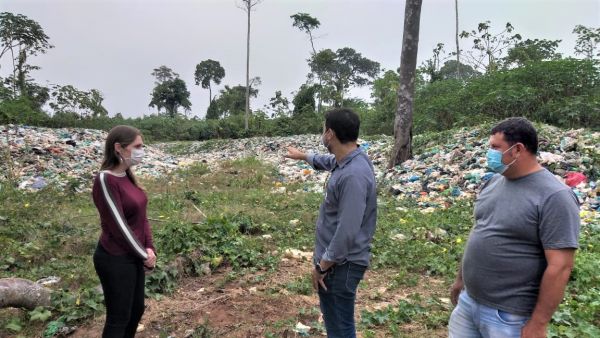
(122, 279)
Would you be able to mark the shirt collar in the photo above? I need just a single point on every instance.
(349, 157)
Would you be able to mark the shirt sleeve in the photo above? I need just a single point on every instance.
(321, 162)
(116, 222)
(559, 221)
(148, 234)
(351, 210)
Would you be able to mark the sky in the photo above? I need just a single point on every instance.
(113, 45)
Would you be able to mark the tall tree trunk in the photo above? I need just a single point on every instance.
(457, 45)
(248, 69)
(408, 64)
(209, 94)
(21, 73)
(319, 100)
(14, 82)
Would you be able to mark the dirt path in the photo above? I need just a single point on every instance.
(255, 305)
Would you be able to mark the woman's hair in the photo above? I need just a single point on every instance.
(124, 135)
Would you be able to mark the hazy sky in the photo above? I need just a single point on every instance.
(113, 45)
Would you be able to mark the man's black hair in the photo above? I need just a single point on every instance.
(518, 130)
(344, 122)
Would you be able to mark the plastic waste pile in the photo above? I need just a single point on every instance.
(442, 171)
(63, 157)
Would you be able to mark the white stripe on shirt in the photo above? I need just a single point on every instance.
(121, 222)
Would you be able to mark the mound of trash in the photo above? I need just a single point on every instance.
(443, 170)
(63, 157)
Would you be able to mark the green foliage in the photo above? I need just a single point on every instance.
(163, 74)
(40, 314)
(23, 37)
(587, 41)
(301, 285)
(430, 312)
(209, 71)
(21, 110)
(171, 95)
(451, 71)
(279, 105)
(70, 101)
(564, 93)
(380, 118)
(304, 100)
(231, 102)
(529, 51)
(75, 306)
(488, 47)
(305, 23)
(341, 70)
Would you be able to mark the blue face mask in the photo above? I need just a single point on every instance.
(494, 160)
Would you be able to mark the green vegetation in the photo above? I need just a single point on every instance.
(240, 207)
(502, 75)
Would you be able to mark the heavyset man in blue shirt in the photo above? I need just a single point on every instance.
(346, 222)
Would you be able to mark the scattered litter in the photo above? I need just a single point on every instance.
(302, 330)
(297, 254)
(64, 157)
(51, 280)
(573, 179)
(438, 176)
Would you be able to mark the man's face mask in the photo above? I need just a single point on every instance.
(324, 141)
(494, 160)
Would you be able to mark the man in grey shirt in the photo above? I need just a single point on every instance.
(346, 222)
(521, 250)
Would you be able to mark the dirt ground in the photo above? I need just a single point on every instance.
(243, 308)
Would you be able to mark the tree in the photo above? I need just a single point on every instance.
(457, 39)
(279, 104)
(163, 74)
(37, 95)
(304, 100)
(532, 51)
(431, 67)
(209, 71)
(69, 100)
(408, 66)
(587, 41)
(306, 23)
(23, 37)
(171, 94)
(247, 6)
(452, 70)
(487, 47)
(341, 70)
(231, 102)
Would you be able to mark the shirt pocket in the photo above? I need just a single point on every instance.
(330, 200)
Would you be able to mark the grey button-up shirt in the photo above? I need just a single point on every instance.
(348, 213)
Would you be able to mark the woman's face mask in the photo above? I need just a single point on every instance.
(135, 158)
(494, 160)
(137, 155)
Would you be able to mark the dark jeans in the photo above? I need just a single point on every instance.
(337, 303)
(122, 279)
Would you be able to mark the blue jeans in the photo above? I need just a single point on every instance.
(337, 303)
(473, 320)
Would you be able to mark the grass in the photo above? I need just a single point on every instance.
(225, 214)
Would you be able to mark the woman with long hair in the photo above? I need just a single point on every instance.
(125, 246)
